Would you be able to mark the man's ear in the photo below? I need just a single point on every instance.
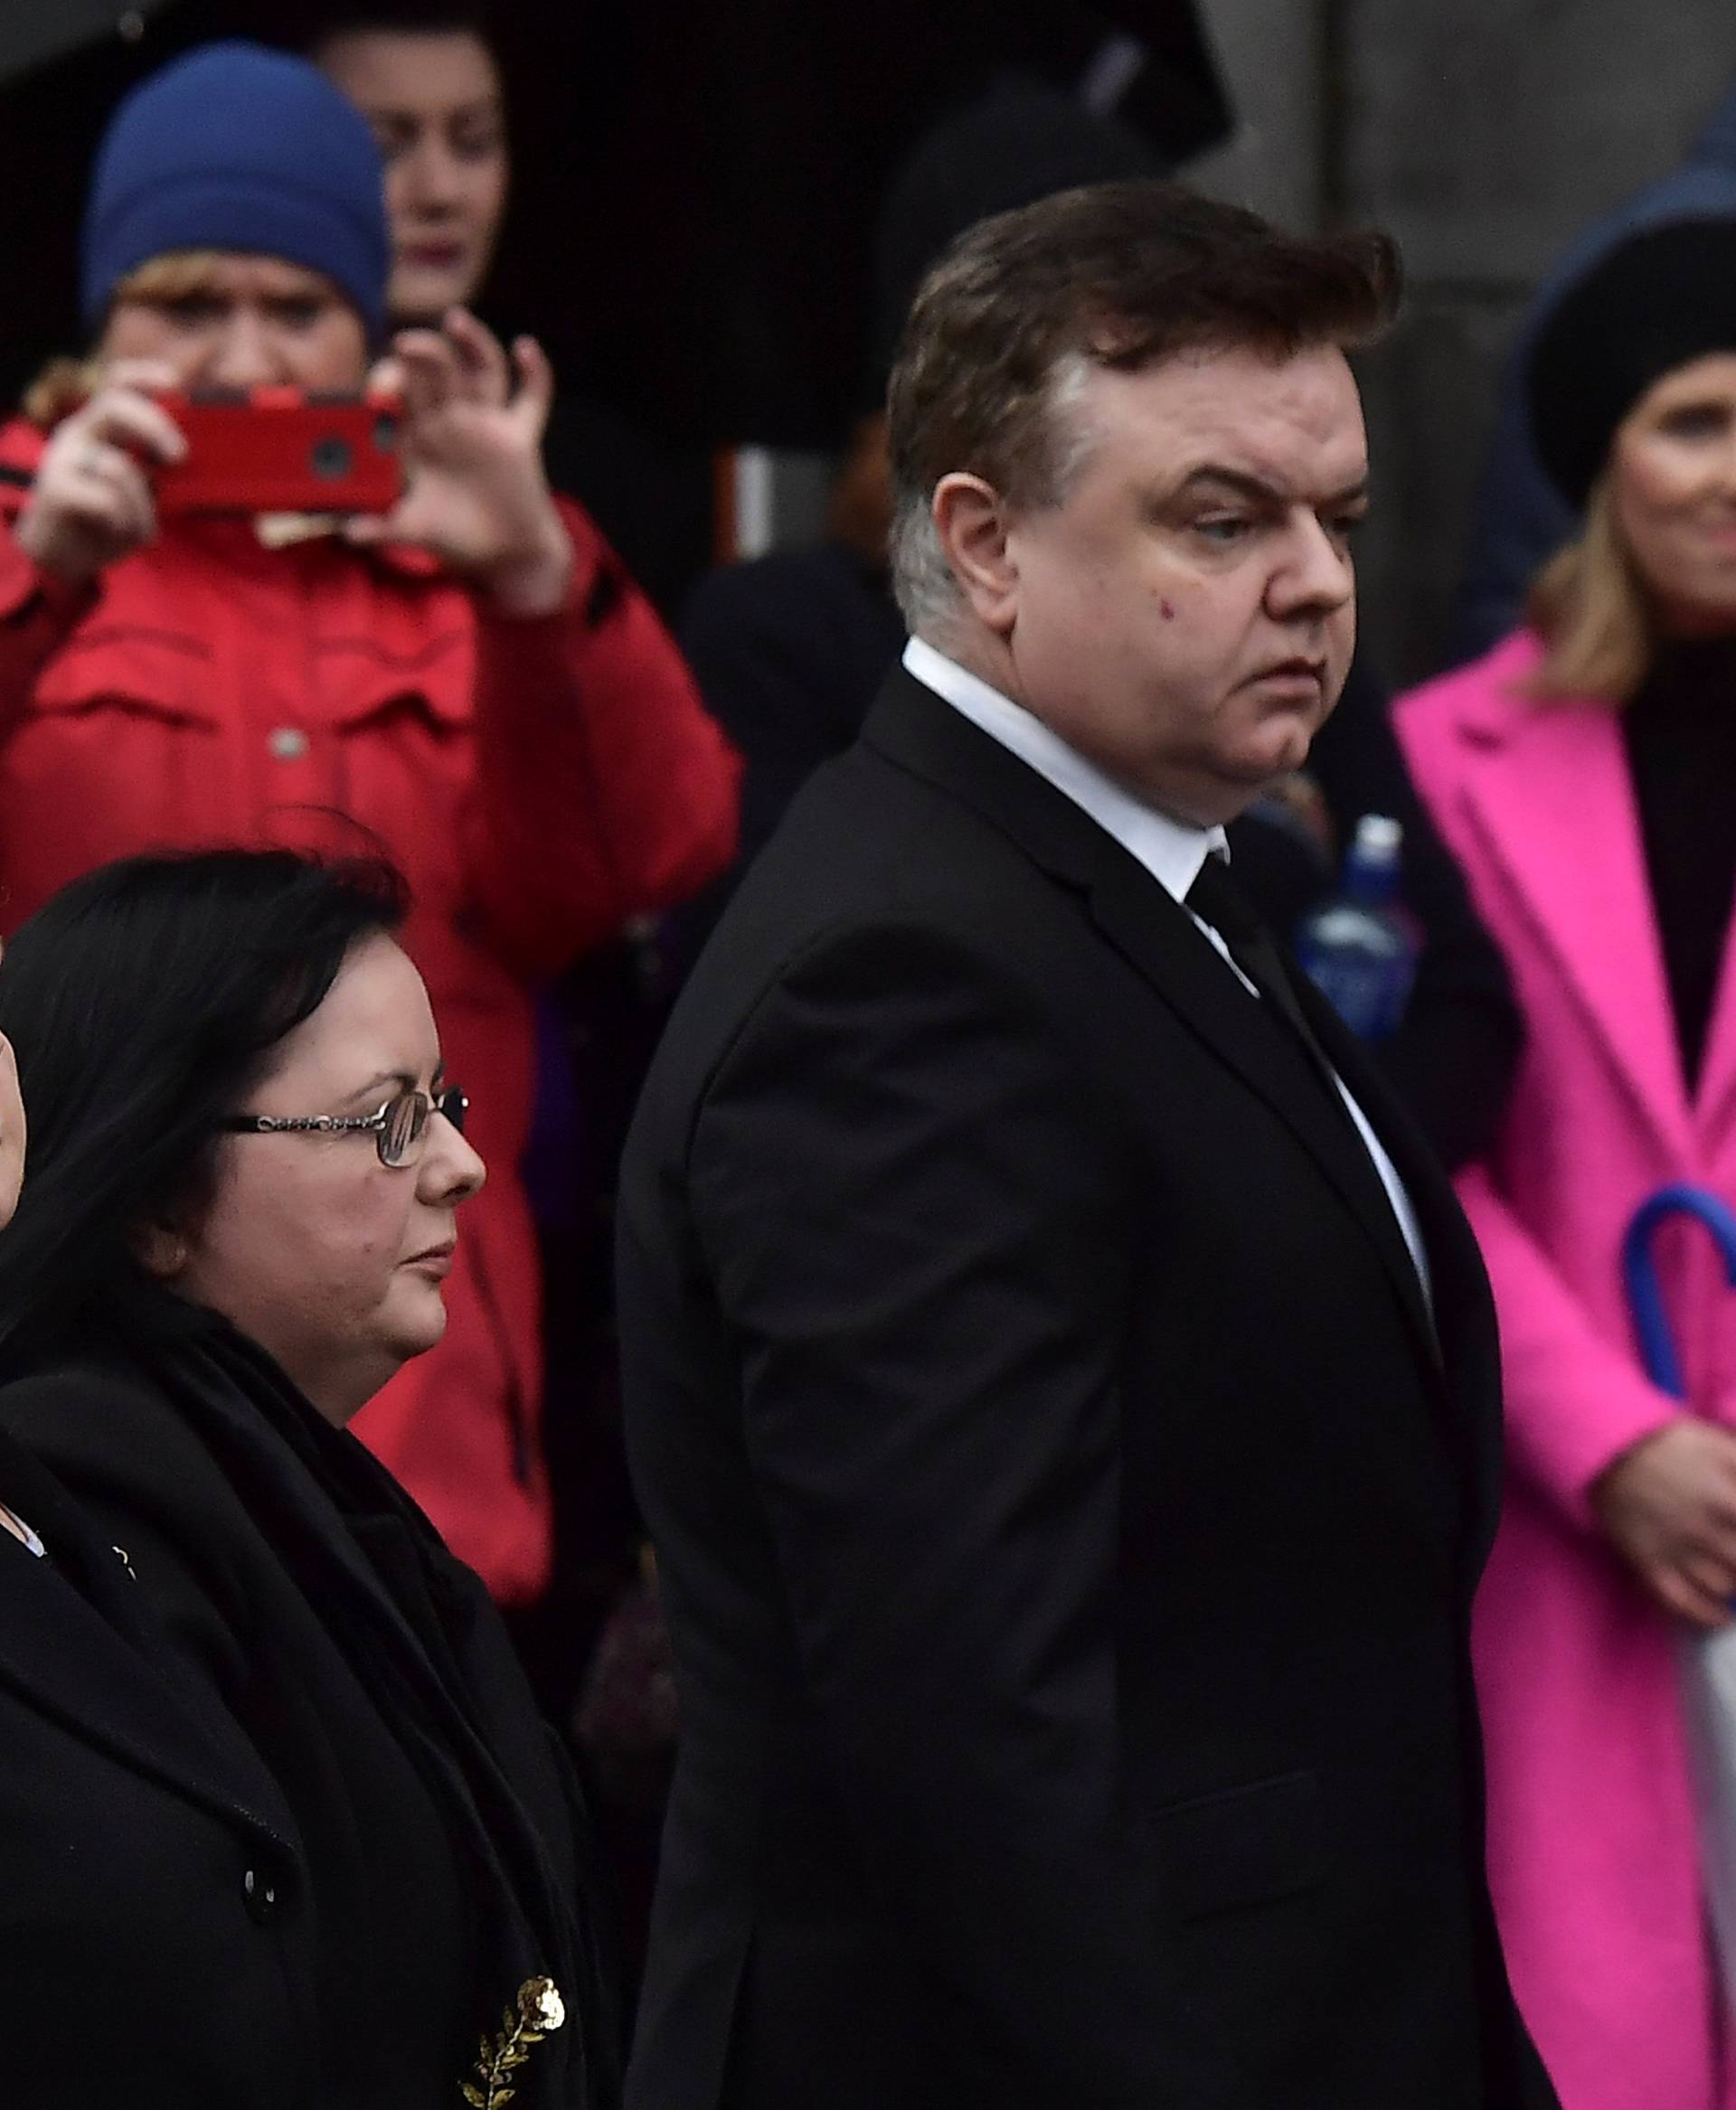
(160, 1250)
(970, 519)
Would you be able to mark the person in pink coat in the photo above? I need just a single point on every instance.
(1584, 773)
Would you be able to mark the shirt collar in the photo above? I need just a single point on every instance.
(1171, 851)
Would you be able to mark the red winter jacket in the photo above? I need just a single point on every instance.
(538, 781)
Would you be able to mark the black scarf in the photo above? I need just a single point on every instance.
(402, 1622)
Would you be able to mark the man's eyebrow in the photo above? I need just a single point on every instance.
(1239, 480)
(1248, 485)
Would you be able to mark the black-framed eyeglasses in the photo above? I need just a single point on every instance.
(397, 1129)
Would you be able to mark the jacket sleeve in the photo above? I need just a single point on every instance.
(921, 1229)
(604, 789)
(1574, 1399)
(38, 614)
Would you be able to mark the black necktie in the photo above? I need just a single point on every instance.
(1215, 898)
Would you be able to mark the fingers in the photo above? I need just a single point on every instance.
(124, 417)
(431, 375)
(109, 490)
(1713, 1548)
(106, 490)
(407, 524)
(464, 361)
(148, 376)
(1678, 1593)
(1712, 1574)
(535, 384)
(480, 356)
(369, 531)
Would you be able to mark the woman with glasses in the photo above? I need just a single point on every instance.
(304, 1840)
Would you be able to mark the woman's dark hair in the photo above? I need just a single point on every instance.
(144, 1001)
(324, 19)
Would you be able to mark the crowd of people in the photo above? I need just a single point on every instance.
(1173, 1564)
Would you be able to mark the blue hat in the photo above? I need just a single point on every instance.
(237, 147)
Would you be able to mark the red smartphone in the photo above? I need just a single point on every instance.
(276, 450)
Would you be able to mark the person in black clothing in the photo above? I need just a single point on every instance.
(427, 75)
(790, 649)
(1061, 1384)
(296, 1834)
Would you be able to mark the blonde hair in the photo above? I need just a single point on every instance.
(64, 383)
(1589, 605)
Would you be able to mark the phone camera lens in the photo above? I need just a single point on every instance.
(331, 459)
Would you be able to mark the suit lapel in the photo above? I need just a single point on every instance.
(1146, 926)
(917, 730)
(1464, 1326)
(82, 1651)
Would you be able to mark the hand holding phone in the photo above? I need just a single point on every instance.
(91, 503)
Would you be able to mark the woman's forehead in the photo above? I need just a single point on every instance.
(233, 274)
(1712, 374)
(374, 1021)
(392, 72)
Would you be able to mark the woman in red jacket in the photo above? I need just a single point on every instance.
(472, 682)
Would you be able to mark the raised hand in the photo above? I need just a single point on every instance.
(475, 494)
(90, 503)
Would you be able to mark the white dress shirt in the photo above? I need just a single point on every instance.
(1172, 851)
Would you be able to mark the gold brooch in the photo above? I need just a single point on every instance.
(537, 2011)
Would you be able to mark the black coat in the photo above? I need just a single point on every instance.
(1067, 1518)
(227, 1836)
(141, 1961)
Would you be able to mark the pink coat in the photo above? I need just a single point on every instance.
(1591, 1844)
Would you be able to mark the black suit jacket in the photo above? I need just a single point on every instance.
(1066, 1506)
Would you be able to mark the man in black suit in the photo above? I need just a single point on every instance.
(1062, 1391)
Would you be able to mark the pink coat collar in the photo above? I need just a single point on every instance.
(1548, 793)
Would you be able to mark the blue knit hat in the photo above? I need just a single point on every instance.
(237, 147)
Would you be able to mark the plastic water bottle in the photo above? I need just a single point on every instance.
(1359, 947)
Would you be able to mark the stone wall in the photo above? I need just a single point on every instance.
(1484, 133)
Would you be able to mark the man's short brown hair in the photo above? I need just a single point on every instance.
(1118, 275)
